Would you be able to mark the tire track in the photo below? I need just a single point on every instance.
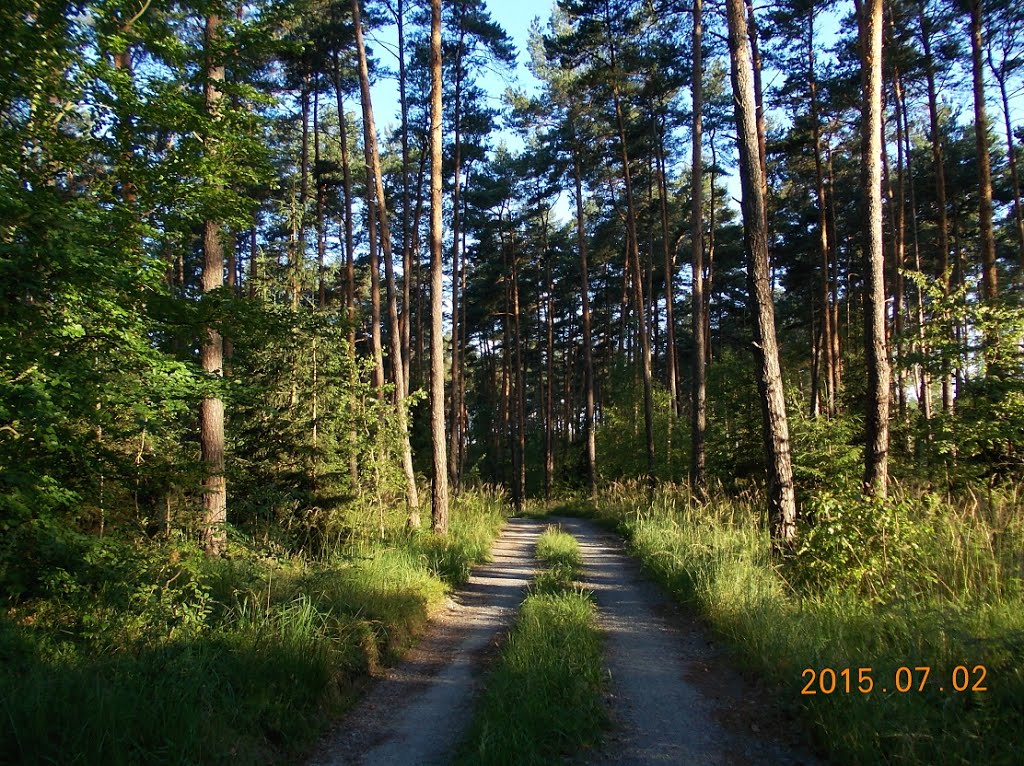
(418, 713)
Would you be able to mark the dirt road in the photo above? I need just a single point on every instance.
(419, 712)
(673, 696)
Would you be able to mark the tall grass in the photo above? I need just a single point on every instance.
(151, 654)
(543, 699)
(929, 581)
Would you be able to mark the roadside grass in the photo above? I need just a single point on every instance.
(936, 583)
(151, 654)
(543, 699)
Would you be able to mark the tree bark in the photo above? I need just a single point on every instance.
(938, 164)
(407, 251)
(439, 483)
(455, 412)
(823, 240)
(211, 408)
(374, 174)
(1011, 155)
(698, 422)
(989, 279)
(589, 425)
(549, 376)
(781, 496)
(349, 242)
(633, 257)
(876, 451)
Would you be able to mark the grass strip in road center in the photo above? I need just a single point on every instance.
(544, 697)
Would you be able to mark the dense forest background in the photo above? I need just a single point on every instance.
(221, 333)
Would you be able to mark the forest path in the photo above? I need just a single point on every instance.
(673, 696)
(418, 713)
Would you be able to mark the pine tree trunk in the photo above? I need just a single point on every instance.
(549, 393)
(633, 258)
(823, 240)
(924, 396)
(375, 176)
(698, 480)
(211, 409)
(876, 451)
(989, 279)
(938, 165)
(900, 245)
(439, 483)
(349, 242)
(455, 413)
(407, 251)
(782, 499)
(520, 383)
(588, 358)
(376, 344)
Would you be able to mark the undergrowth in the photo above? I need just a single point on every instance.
(914, 581)
(129, 652)
(544, 697)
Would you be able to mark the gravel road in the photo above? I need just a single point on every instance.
(418, 713)
(673, 695)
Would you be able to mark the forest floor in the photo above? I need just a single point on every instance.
(673, 695)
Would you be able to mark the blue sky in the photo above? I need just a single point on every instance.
(515, 17)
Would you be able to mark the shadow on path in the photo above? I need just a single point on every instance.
(654, 653)
(418, 713)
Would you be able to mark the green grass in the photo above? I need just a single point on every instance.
(148, 653)
(544, 698)
(560, 554)
(936, 583)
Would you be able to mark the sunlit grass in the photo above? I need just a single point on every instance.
(153, 654)
(959, 604)
(544, 697)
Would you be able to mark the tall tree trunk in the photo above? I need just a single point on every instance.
(299, 254)
(549, 392)
(876, 451)
(782, 498)
(211, 408)
(321, 229)
(900, 244)
(439, 483)
(376, 344)
(349, 241)
(698, 418)
(835, 342)
(989, 279)
(588, 358)
(633, 257)
(823, 241)
(924, 395)
(407, 251)
(519, 445)
(374, 174)
(938, 164)
(672, 367)
(762, 130)
(455, 412)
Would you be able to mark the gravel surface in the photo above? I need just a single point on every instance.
(672, 696)
(418, 713)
